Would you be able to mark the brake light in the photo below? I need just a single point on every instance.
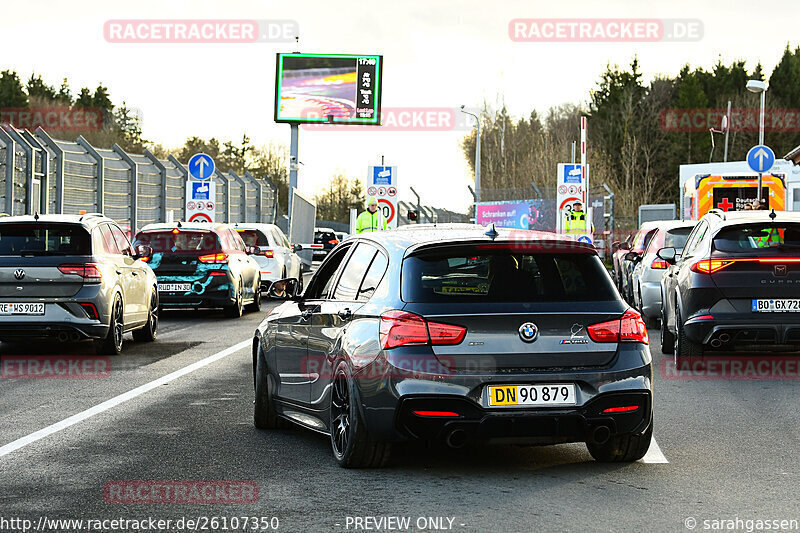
(176, 231)
(623, 409)
(88, 271)
(268, 253)
(659, 264)
(709, 266)
(399, 328)
(333, 241)
(628, 328)
(214, 258)
(91, 310)
(144, 259)
(437, 413)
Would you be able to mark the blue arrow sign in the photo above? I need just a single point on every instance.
(761, 158)
(201, 167)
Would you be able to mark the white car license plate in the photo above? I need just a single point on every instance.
(21, 309)
(776, 306)
(530, 395)
(174, 287)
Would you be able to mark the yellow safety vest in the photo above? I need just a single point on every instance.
(576, 223)
(367, 221)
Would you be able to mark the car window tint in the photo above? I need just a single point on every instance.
(123, 244)
(253, 237)
(67, 239)
(695, 238)
(354, 272)
(373, 277)
(469, 274)
(763, 239)
(108, 237)
(322, 281)
(183, 241)
(236, 241)
(676, 238)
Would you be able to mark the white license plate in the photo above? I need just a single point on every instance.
(776, 306)
(530, 395)
(174, 287)
(21, 309)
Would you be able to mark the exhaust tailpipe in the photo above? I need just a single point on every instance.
(74, 336)
(716, 343)
(457, 438)
(63, 336)
(724, 337)
(601, 434)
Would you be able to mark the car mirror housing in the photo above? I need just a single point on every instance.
(632, 256)
(252, 250)
(667, 254)
(296, 247)
(143, 250)
(624, 246)
(285, 289)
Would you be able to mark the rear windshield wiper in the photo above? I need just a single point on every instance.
(40, 252)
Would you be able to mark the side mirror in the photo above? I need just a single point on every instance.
(296, 248)
(143, 250)
(284, 289)
(624, 246)
(667, 254)
(632, 256)
(251, 250)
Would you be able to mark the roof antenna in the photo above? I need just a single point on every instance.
(492, 233)
(772, 215)
(179, 224)
(36, 216)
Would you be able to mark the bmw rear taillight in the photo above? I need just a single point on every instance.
(659, 264)
(88, 271)
(628, 328)
(399, 328)
(709, 266)
(214, 258)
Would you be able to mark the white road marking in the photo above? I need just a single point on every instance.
(654, 455)
(117, 400)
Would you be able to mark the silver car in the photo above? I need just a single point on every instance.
(276, 257)
(649, 268)
(74, 277)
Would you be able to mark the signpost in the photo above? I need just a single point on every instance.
(761, 157)
(569, 189)
(382, 184)
(201, 195)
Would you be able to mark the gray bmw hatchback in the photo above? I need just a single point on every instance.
(74, 277)
(457, 336)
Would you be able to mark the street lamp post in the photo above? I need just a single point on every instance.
(477, 159)
(758, 86)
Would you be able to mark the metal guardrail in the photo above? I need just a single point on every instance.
(40, 174)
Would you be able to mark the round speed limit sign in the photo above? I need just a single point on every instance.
(387, 208)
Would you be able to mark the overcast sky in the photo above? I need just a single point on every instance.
(437, 53)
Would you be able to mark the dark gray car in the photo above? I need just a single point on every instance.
(455, 336)
(74, 277)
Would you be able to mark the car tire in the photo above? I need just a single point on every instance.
(264, 415)
(112, 343)
(149, 332)
(686, 350)
(236, 310)
(352, 445)
(667, 337)
(622, 448)
(256, 305)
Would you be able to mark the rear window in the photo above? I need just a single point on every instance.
(324, 236)
(676, 238)
(474, 275)
(44, 239)
(252, 237)
(183, 241)
(769, 239)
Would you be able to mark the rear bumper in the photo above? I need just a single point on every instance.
(544, 426)
(745, 332)
(214, 291)
(19, 331)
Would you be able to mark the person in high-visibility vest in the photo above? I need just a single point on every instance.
(371, 219)
(576, 221)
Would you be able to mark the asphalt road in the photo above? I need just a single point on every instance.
(731, 447)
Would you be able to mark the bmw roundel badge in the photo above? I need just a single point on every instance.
(528, 332)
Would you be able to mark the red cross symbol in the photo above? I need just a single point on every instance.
(725, 204)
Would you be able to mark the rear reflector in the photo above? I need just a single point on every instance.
(659, 264)
(628, 328)
(399, 328)
(436, 413)
(88, 271)
(214, 258)
(624, 409)
(709, 266)
(218, 274)
(91, 310)
(703, 317)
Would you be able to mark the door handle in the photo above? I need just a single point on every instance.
(134, 273)
(345, 313)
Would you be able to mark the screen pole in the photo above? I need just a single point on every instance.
(293, 165)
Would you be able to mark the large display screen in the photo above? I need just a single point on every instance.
(332, 88)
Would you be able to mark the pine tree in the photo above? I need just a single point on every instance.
(12, 93)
